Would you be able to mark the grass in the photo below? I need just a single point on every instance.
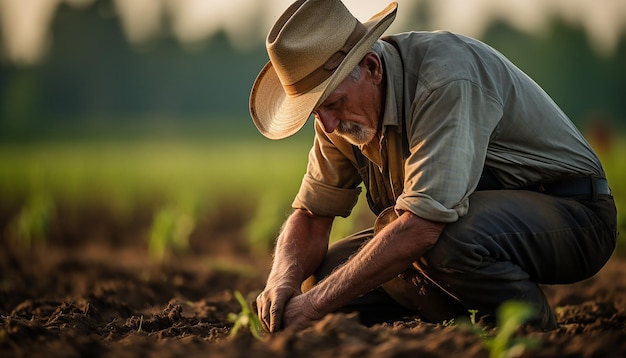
(124, 172)
(186, 178)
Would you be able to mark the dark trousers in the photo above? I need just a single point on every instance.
(509, 242)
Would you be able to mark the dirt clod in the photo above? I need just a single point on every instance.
(109, 299)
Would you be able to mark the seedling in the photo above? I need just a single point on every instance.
(140, 324)
(511, 315)
(448, 323)
(470, 322)
(171, 229)
(473, 316)
(32, 224)
(246, 318)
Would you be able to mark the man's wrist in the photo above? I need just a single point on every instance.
(318, 303)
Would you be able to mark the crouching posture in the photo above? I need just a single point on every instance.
(483, 187)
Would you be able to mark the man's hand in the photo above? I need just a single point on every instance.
(300, 248)
(271, 304)
(300, 313)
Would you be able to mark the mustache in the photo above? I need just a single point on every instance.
(348, 128)
(355, 133)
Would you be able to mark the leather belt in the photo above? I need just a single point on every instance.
(575, 187)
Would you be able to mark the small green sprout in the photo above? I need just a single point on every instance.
(32, 224)
(140, 324)
(171, 229)
(473, 316)
(448, 323)
(511, 315)
(471, 323)
(246, 318)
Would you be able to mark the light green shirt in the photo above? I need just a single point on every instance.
(464, 106)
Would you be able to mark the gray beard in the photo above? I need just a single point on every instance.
(355, 133)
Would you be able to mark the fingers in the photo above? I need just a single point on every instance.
(276, 315)
(263, 311)
(256, 307)
(271, 308)
(270, 312)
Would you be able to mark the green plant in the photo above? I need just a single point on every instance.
(473, 316)
(469, 322)
(448, 323)
(32, 223)
(171, 228)
(511, 315)
(140, 324)
(246, 318)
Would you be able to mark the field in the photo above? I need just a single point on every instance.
(137, 247)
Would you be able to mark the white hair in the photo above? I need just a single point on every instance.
(377, 49)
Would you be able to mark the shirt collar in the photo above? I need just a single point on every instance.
(392, 69)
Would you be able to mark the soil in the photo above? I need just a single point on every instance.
(91, 289)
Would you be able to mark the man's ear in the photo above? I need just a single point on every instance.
(373, 65)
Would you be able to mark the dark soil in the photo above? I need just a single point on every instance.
(92, 290)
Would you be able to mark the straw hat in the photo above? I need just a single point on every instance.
(312, 47)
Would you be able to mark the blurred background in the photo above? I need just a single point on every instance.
(128, 119)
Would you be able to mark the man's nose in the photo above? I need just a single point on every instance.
(329, 122)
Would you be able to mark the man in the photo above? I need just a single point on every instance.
(482, 186)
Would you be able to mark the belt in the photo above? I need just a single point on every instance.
(575, 187)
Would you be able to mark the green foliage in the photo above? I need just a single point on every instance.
(262, 174)
(448, 323)
(215, 77)
(502, 344)
(247, 318)
(126, 173)
(32, 224)
(574, 85)
(171, 227)
(472, 316)
(511, 315)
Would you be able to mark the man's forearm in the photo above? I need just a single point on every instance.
(300, 248)
(389, 253)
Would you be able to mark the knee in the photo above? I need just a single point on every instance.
(455, 253)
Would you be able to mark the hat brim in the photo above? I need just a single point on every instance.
(277, 115)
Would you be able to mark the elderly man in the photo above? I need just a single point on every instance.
(483, 187)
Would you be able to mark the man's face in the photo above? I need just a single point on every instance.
(352, 110)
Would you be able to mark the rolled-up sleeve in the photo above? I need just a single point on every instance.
(325, 200)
